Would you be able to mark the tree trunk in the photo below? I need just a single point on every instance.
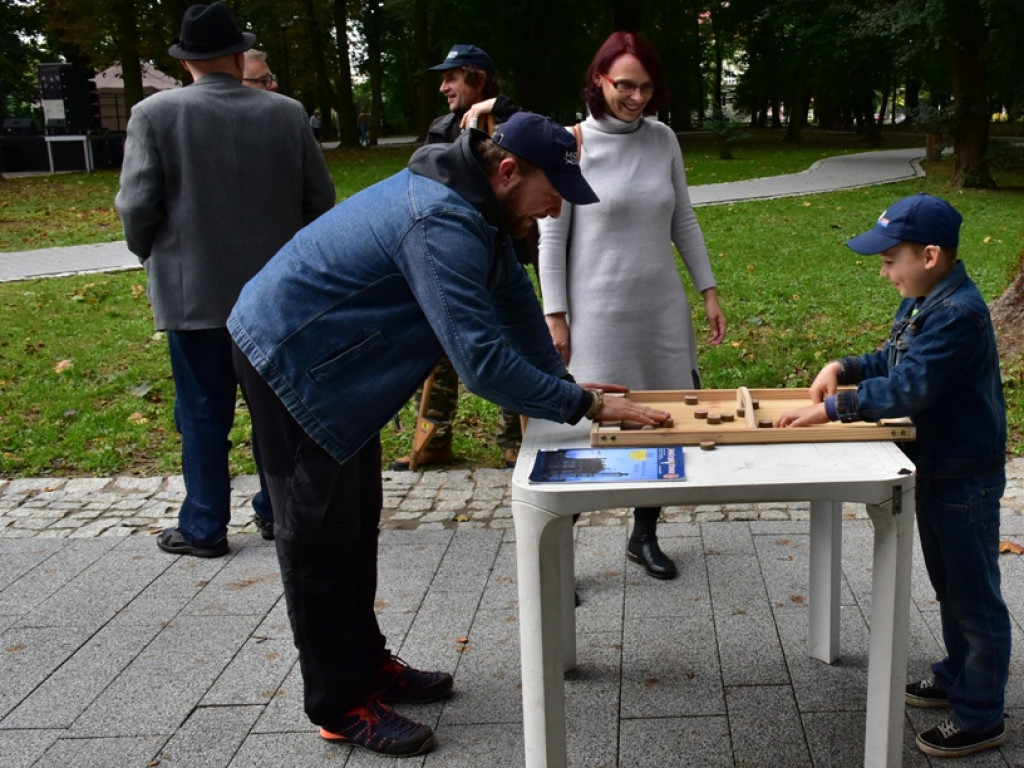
(426, 56)
(128, 49)
(912, 100)
(627, 14)
(371, 28)
(326, 98)
(1008, 316)
(970, 97)
(348, 129)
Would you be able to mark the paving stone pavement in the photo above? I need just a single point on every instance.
(113, 653)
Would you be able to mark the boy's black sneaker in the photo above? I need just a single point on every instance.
(397, 681)
(927, 695)
(946, 740)
(378, 728)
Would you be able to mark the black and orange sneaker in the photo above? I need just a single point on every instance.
(397, 681)
(376, 727)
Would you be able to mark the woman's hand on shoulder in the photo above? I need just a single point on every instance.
(484, 107)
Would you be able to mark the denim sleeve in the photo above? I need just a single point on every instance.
(448, 261)
(522, 321)
(931, 356)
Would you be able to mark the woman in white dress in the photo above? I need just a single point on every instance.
(613, 296)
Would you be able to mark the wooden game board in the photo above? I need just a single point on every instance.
(751, 411)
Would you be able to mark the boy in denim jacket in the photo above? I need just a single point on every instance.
(940, 367)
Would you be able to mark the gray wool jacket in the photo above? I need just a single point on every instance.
(216, 178)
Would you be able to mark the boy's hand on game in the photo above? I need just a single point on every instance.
(825, 383)
(804, 417)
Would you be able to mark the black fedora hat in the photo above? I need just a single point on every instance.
(207, 32)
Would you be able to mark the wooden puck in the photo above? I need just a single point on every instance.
(691, 399)
(631, 425)
(714, 418)
(727, 417)
(707, 445)
(668, 423)
(700, 413)
(765, 423)
(755, 402)
(741, 412)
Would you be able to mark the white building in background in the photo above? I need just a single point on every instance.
(110, 92)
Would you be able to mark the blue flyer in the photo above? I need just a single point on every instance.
(608, 465)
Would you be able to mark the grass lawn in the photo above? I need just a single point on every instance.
(86, 385)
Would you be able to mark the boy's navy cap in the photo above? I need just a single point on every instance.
(919, 218)
(546, 144)
(462, 55)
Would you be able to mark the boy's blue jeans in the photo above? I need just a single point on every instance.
(206, 390)
(958, 522)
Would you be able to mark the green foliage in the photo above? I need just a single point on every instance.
(85, 385)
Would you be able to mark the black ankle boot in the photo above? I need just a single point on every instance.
(644, 549)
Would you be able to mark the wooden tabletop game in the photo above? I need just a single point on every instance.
(707, 417)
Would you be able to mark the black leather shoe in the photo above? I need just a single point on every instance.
(644, 549)
(265, 527)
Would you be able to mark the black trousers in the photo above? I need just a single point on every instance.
(326, 517)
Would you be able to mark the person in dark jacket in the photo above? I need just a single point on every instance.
(469, 84)
(333, 336)
(940, 367)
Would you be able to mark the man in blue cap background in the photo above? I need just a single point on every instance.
(468, 83)
(940, 366)
(334, 335)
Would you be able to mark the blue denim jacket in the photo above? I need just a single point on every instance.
(350, 316)
(940, 366)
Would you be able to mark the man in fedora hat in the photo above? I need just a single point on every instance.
(332, 337)
(216, 178)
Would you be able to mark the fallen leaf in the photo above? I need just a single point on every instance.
(138, 418)
(63, 365)
(1011, 546)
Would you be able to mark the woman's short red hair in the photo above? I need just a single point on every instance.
(616, 45)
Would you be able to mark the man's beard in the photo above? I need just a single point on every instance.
(512, 222)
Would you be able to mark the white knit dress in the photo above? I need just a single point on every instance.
(629, 319)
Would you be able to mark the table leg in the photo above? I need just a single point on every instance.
(568, 600)
(890, 619)
(88, 156)
(825, 575)
(540, 542)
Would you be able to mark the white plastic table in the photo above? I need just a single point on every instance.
(826, 474)
(86, 148)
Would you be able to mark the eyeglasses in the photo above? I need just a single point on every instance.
(626, 87)
(265, 81)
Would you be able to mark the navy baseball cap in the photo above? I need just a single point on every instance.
(546, 144)
(919, 218)
(462, 55)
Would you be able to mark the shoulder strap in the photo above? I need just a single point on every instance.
(577, 131)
